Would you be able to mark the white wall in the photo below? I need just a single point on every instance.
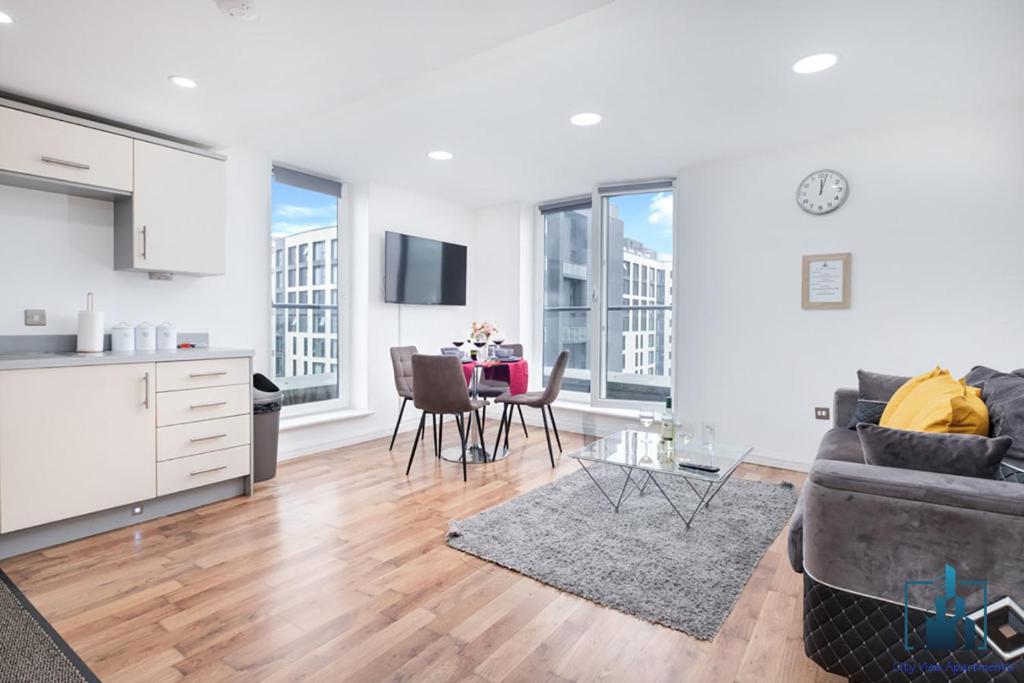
(492, 294)
(934, 224)
(56, 248)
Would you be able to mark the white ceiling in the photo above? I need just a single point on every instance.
(362, 89)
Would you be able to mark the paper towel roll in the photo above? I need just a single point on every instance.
(90, 328)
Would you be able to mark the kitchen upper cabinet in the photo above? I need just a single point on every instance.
(50, 150)
(174, 220)
(74, 441)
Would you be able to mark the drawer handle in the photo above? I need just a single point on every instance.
(196, 439)
(208, 405)
(65, 162)
(215, 373)
(208, 469)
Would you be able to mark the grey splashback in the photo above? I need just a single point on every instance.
(63, 343)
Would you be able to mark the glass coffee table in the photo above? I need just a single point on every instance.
(642, 458)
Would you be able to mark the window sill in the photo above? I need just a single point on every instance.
(592, 410)
(300, 421)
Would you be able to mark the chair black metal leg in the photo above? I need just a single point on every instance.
(479, 427)
(462, 439)
(558, 439)
(440, 434)
(522, 421)
(433, 434)
(508, 423)
(501, 426)
(551, 453)
(423, 420)
(462, 428)
(398, 422)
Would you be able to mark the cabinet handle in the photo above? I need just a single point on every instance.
(196, 439)
(215, 373)
(145, 401)
(208, 405)
(144, 244)
(65, 162)
(208, 469)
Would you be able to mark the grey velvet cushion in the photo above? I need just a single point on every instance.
(874, 386)
(965, 455)
(1003, 394)
(841, 444)
(795, 540)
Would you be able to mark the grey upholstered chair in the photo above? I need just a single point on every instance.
(536, 399)
(492, 388)
(441, 390)
(401, 364)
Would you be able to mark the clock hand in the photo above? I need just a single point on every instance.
(821, 187)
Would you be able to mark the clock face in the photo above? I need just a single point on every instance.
(822, 192)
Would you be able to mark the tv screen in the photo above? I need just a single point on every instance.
(423, 271)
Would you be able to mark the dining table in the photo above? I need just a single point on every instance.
(517, 374)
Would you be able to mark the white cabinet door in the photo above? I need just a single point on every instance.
(48, 148)
(177, 211)
(75, 440)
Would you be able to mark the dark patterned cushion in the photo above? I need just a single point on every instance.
(867, 411)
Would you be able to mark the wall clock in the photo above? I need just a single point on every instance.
(822, 192)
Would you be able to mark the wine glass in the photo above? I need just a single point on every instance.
(646, 418)
(684, 430)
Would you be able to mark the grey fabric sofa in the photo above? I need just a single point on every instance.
(860, 532)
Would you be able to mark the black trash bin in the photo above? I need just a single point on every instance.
(266, 416)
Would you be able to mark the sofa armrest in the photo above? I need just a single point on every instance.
(844, 405)
(869, 529)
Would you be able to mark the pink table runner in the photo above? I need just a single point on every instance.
(517, 374)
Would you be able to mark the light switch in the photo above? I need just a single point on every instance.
(35, 317)
(822, 413)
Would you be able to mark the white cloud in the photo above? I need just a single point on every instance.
(660, 210)
(294, 211)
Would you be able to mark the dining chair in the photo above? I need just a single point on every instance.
(440, 389)
(492, 388)
(401, 365)
(536, 399)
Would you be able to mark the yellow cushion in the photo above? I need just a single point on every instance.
(935, 402)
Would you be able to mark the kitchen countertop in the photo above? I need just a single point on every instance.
(66, 359)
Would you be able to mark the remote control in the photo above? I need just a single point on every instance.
(697, 466)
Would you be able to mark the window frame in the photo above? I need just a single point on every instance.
(333, 304)
(598, 303)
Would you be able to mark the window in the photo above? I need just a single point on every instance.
(567, 293)
(304, 225)
(607, 294)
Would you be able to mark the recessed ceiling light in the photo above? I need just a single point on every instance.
(182, 81)
(6, 18)
(814, 63)
(440, 155)
(587, 118)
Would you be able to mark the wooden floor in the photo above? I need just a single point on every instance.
(338, 570)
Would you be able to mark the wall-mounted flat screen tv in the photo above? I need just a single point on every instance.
(423, 271)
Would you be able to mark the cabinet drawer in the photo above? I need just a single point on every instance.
(179, 441)
(199, 470)
(198, 374)
(192, 405)
(49, 148)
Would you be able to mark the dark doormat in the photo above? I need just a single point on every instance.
(30, 650)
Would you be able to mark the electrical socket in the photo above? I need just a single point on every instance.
(35, 317)
(822, 413)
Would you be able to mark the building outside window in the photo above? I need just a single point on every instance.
(305, 212)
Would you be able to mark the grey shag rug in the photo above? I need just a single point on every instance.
(30, 650)
(643, 560)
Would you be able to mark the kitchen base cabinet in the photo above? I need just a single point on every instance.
(75, 440)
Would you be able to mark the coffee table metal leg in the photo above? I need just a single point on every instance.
(622, 493)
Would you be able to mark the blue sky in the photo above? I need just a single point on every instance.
(648, 219)
(293, 209)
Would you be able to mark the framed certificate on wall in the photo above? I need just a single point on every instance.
(826, 281)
